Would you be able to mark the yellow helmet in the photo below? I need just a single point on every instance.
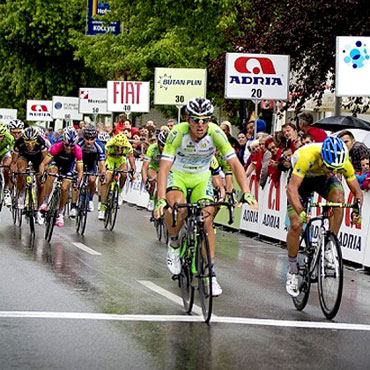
(120, 140)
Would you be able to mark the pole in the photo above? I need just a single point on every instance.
(255, 117)
(179, 113)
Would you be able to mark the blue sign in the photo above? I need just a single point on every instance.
(94, 27)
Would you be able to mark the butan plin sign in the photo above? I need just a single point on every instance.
(256, 76)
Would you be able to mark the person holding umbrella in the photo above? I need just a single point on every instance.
(305, 121)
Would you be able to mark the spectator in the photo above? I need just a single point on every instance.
(170, 123)
(250, 130)
(251, 163)
(364, 178)
(273, 168)
(127, 133)
(305, 121)
(164, 128)
(136, 145)
(226, 128)
(291, 135)
(120, 124)
(99, 127)
(265, 160)
(243, 152)
(109, 129)
(285, 159)
(261, 126)
(357, 150)
(150, 123)
(279, 139)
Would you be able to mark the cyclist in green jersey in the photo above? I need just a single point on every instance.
(6, 146)
(184, 165)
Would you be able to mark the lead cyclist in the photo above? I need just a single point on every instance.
(184, 165)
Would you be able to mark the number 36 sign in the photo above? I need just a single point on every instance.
(256, 76)
(176, 86)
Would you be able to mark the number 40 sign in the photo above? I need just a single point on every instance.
(176, 86)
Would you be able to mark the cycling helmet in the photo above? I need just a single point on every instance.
(104, 137)
(70, 136)
(334, 152)
(2, 128)
(16, 123)
(89, 132)
(31, 133)
(162, 137)
(120, 140)
(199, 107)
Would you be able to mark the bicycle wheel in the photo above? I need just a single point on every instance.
(114, 207)
(1, 193)
(84, 211)
(31, 213)
(204, 275)
(14, 206)
(330, 276)
(52, 215)
(108, 213)
(186, 279)
(304, 280)
(19, 216)
(158, 228)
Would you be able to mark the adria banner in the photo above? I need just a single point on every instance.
(92, 101)
(352, 72)
(6, 115)
(128, 96)
(66, 107)
(257, 76)
(176, 86)
(39, 110)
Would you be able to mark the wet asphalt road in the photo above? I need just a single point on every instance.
(114, 306)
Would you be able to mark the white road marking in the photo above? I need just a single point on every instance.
(184, 318)
(165, 293)
(85, 248)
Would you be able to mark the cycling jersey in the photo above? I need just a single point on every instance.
(6, 144)
(64, 161)
(307, 162)
(112, 152)
(224, 165)
(92, 155)
(153, 155)
(195, 157)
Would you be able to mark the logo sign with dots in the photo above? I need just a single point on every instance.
(352, 74)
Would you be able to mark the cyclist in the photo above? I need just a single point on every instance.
(16, 127)
(6, 145)
(104, 137)
(314, 169)
(152, 157)
(118, 150)
(30, 147)
(62, 158)
(93, 154)
(185, 164)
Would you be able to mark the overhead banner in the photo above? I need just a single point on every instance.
(176, 86)
(6, 115)
(39, 110)
(96, 8)
(66, 107)
(352, 72)
(257, 76)
(128, 96)
(92, 101)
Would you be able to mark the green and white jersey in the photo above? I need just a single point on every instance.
(195, 157)
(153, 155)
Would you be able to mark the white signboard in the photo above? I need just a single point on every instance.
(92, 101)
(6, 115)
(352, 74)
(256, 76)
(128, 96)
(39, 110)
(66, 107)
(176, 86)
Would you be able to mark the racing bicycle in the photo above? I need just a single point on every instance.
(320, 260)
(196, 267)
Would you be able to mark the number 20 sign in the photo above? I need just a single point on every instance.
(256, 76)
(176, 86)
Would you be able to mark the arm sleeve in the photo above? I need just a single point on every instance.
(172, 143)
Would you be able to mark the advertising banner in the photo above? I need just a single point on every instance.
(92, 101)
(352, 73)
(66, 107)
(6, 115)
(128, 96)
(39, 110)
(96, 8)
(176, 86)
(256, 76)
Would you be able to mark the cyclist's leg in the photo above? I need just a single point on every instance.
(7, 159)
(123, 177)
(49, 185)
(21, 167)
(334, 192)
(152, 175)
(64, 194)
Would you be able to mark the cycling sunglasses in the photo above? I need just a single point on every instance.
(29, 142)
(69, 145)
(16, 132)
(202, 120)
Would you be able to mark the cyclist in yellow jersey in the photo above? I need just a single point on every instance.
(314, 169)
(184, 165)
(118, 149)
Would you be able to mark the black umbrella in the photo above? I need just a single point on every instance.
(337, 123)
